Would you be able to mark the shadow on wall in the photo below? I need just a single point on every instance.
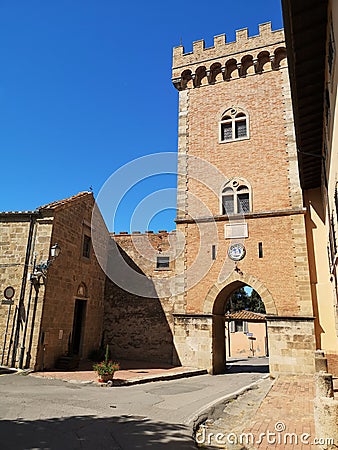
(93, 433)
(136, 327)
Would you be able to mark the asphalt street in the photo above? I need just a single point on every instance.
(50, 414)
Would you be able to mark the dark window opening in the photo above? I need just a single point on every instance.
(162, 262)
(243, 203)
(228, 204)
(240, 129)
(260, 250)
(213, 252)
(238, 325)
(227, 131)
(86, 246)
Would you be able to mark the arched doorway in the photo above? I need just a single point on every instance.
(246, 335)
(216, 304)
(80, 307)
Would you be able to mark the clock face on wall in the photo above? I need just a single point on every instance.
(236, 252)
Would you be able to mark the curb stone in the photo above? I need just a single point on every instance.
(216, 408)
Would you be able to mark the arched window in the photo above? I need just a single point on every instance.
(233, 125)
(235, 198)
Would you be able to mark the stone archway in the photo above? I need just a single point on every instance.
(215, 303)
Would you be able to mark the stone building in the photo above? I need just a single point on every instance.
(240, 205)
(313, 68)
(59, 309)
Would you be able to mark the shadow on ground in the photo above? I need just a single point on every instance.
(91, 432)
(248, 365)
(248, 369)
(7, 371)
(125, 364)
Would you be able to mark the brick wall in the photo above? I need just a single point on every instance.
(249, 74)
(136, 326)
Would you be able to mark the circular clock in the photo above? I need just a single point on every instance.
(236, 252)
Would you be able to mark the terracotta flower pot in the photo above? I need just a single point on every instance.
(106, 377)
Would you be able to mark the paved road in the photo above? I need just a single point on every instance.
(50, 414)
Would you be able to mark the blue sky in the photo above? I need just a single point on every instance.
(85, 87)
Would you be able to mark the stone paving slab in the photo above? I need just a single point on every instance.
(276, 414)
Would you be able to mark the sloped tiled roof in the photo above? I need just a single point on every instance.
(245, 315)
(65, 201)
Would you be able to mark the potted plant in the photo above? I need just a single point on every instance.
(106, 368)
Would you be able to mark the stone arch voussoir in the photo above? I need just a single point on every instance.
(244, 279)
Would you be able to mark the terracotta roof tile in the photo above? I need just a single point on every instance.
(65, 201)
(245, 315)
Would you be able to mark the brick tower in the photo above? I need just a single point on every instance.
(239, 195)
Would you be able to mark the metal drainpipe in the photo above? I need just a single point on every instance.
(33, 218)
(23, 343)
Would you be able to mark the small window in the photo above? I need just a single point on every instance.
(260, 249)
(213, 252)
(86, 246)
(235, 199)
(228, 201)
(162, 262)
(239, 326)
(233, 126)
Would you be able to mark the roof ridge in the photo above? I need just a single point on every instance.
(58, 203)
(245, 314)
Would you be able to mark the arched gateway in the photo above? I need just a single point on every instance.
(215, 305)
(239, 202)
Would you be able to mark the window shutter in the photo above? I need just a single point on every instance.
(245, 327)
(232, 326)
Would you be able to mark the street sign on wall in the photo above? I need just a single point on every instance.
(7, 302)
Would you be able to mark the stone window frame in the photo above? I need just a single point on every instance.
(233, 116)
(235, 187)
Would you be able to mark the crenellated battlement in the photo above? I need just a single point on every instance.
(228, 60)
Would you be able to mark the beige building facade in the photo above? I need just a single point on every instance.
(314, 94)
(246, 335)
